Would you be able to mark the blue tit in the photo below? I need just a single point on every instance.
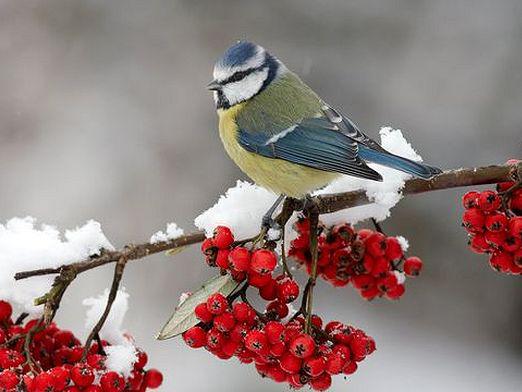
(282, 135)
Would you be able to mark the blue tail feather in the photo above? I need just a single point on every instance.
(398, 163)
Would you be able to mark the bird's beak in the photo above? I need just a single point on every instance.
(214, 85)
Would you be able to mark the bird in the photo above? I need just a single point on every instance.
(284, 136)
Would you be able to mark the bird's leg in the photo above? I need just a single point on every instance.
(268, 222)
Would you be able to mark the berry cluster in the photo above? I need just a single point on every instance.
(494, 226)
(254, 266)
(372, 262)
(54, 362)
(279, 350)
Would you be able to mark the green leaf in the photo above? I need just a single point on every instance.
(184, 317)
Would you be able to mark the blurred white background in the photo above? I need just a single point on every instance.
(104, 115)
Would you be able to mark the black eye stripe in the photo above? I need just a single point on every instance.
(237, 76)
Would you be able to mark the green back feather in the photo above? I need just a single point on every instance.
(285, 102)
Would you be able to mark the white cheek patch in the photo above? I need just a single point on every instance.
(246, 88)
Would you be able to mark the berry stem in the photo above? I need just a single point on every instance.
(118, 274)
(313, 215)
(377, 226)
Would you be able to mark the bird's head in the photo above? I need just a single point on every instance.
(243, 71)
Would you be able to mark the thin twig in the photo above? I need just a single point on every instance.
(118, 274)
(313, 216)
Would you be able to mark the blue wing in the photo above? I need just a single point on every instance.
(317, 142)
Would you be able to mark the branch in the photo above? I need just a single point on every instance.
(324, 204)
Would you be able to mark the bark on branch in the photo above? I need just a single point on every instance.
(322, 204)
(326, 203)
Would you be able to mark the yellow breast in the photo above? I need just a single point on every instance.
(282, 177)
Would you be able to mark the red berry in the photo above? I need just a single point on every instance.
(230, 347)
(517, 258)
(275, 332)
(489, 201)
(412, 266)
(195, 337)
(258, 280)
(263, 261)
(93, 388)
(225, 322)
(61, 377)
(269, 291)
(303, 346)
(388, 282)
(496, 222)
(515, 226)
(112, 382)
(396, 292)
(215, 338)
(393, 249)
(223, 237)
(202, 313)
(207, 246)
(243, 313)
(82, 375)
(501, 261)
(290, 363)
(239, 332)
(10, 358)
(277, 349)
(473, 220)
(141, 360)
(470, 199)
(516, 200)
(376, 244)
(361, 282)
(478, 244)
(495, 239)
(96, 361)
(217, 303)
(6, 310)
(256, 341)
(372, 293)
(381, 265)
(277, 308)
(43, 382)
(72, 388)
(239, 259)
(512, 244)
(350, 368)
(153, 378)
(8, 380)
(222, 258)
(314, 366)
(65, 338)
(276, 373)
(287, 290)
(335, 363)
(321, 383)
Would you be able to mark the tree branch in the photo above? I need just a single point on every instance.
(326, 203)
(323, 204)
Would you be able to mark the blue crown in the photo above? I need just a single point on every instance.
(238, 54)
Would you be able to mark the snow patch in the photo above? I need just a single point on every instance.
(403, 242)
(172, 232)
(241, 208)
(111, 330)
(26, 246)
(384, 195)
(121, 358)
